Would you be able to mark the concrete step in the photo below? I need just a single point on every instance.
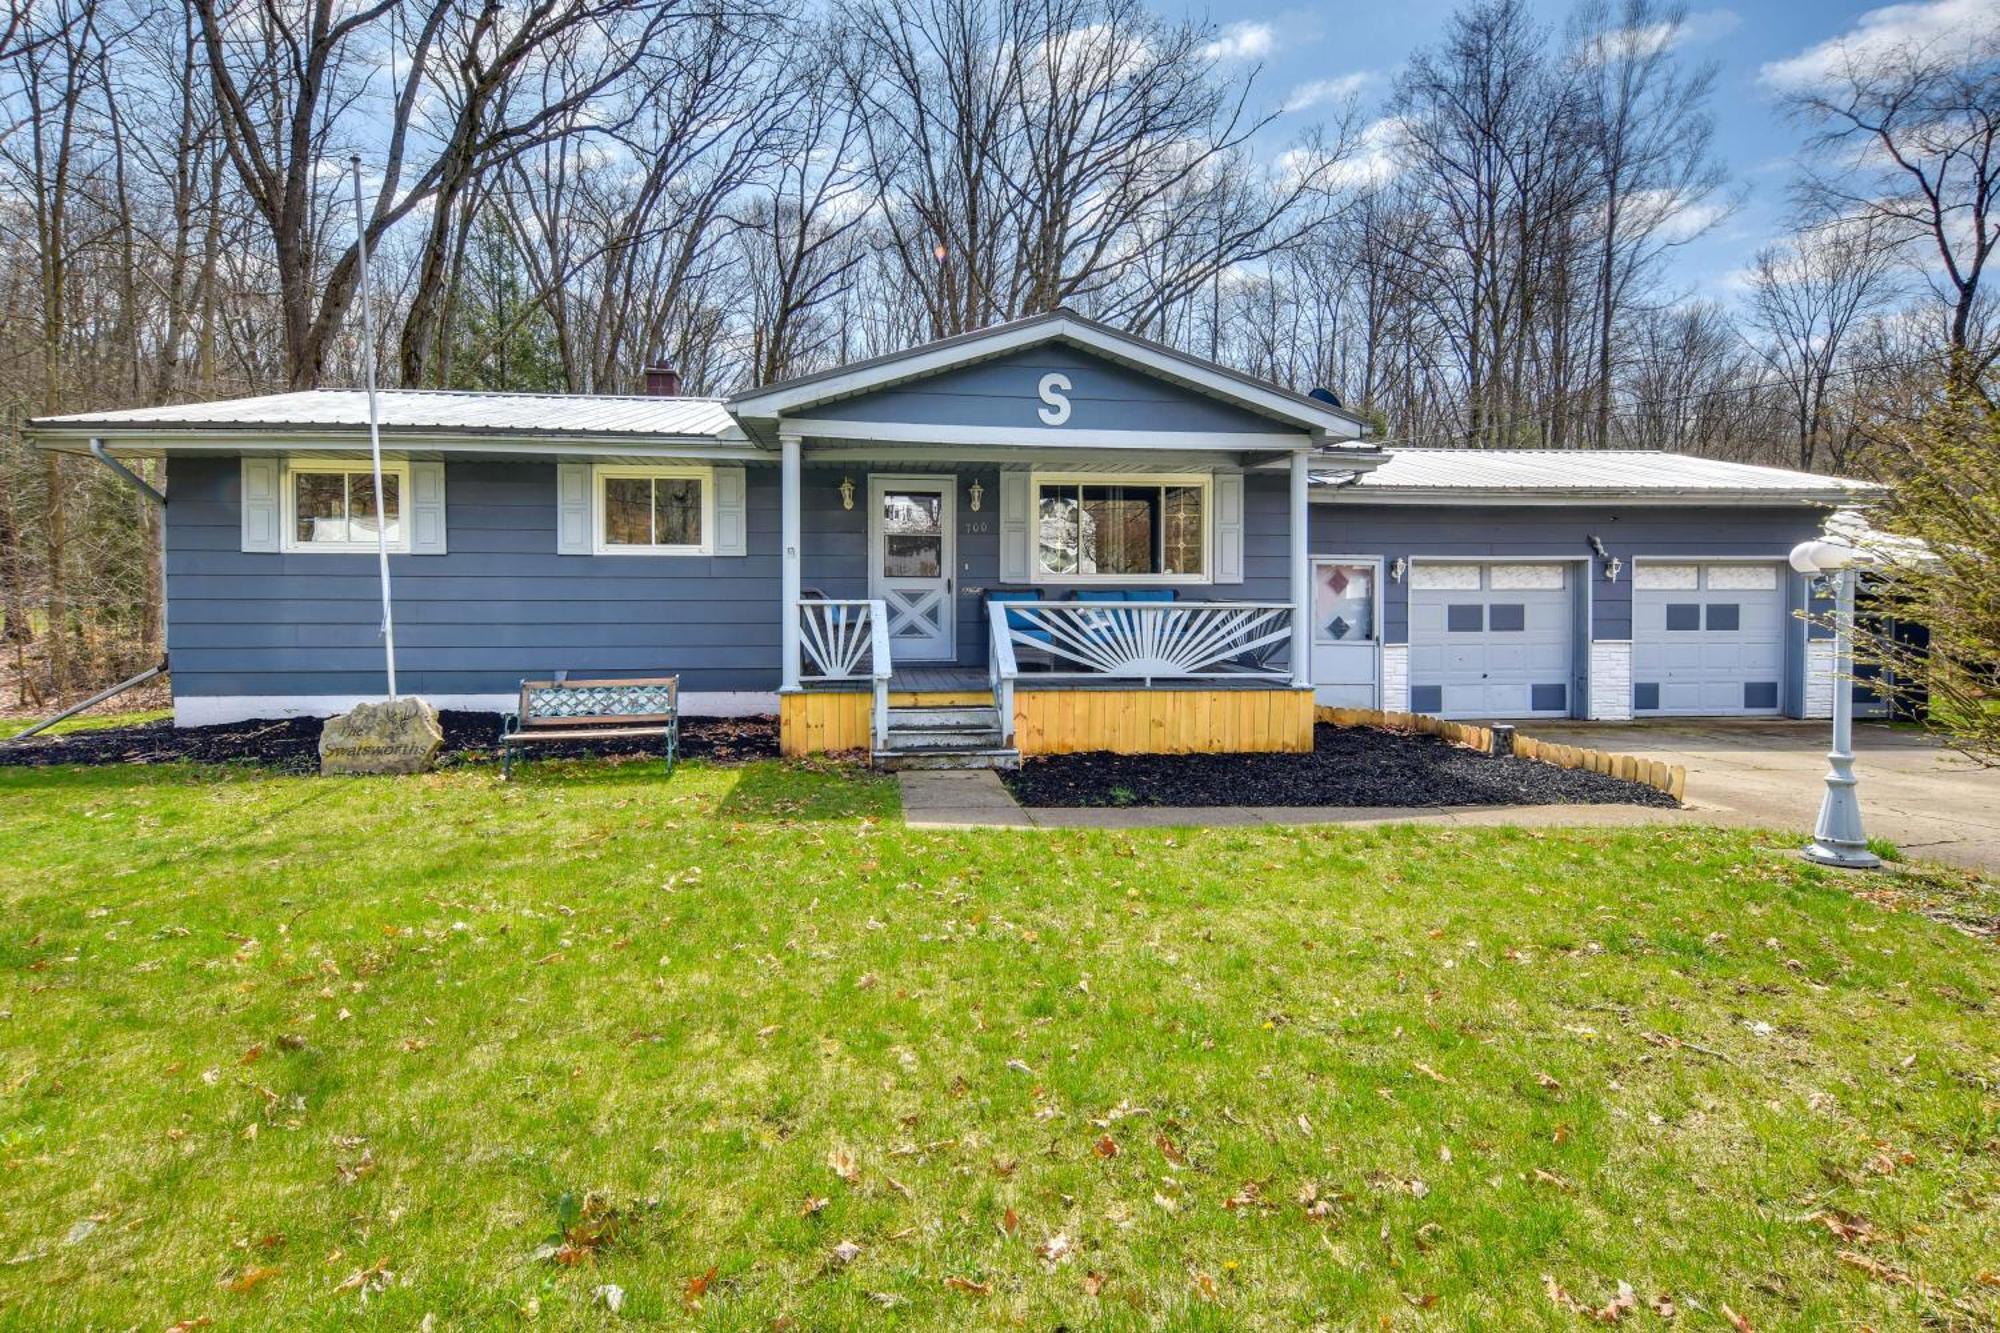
(984, 719)
(942, 738)
(991, 756)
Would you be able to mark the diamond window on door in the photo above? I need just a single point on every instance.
(1344, 603)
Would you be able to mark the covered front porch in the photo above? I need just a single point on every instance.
(1045, 536)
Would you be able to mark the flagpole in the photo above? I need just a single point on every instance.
(375, 433)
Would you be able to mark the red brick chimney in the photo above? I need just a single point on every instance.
(662, 380)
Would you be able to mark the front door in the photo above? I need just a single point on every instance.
(1347, 602)
(910, 555)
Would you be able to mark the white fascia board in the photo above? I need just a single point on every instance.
(1041, 437)
(777, 401)
(1355, 495)
(258, 442)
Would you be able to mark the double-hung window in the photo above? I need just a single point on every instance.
(655, 510)
(331, 505)
(1126, 529)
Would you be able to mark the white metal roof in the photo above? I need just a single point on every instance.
(1445, 475)
(429, 412)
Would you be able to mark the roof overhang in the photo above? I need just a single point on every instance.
(137, 441)
(1323, 493)
(792, 401)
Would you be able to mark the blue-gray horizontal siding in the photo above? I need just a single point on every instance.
(1544, 531)
(502, 605)
(1005, 392)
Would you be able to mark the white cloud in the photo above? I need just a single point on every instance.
(1705, 25)
(1880, 32)
(1321, 91)
(1376, 160)
(1242, 41)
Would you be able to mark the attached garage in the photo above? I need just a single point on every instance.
(1493, 639)
(1708, 639)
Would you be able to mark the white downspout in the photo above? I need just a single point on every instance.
(1301, 573)
(788, 509)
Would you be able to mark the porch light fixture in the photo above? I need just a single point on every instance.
(1396, 568)
(976, 492)
(847, 492)
(1611, 568)
(1838, 838)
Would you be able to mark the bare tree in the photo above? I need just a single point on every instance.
(1910, 138)
(1805, 300)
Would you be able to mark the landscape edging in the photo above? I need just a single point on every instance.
(1669, 778)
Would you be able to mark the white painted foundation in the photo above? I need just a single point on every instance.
(1395, 677)
(1610, 680)
(204, 710)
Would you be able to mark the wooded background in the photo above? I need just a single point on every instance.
(558, 191)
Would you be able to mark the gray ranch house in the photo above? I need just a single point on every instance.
(1044, 536)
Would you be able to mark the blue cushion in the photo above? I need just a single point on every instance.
(1018, 623)
(1099, 595)
(1151, 595)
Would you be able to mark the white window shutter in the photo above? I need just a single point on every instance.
(260, 504)
(731, 521)
(1016, 509)
(573, 509)
(1228, 529)
(426, 514)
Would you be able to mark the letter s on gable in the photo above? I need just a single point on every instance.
(1054, 390)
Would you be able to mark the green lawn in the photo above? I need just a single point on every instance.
(284, 1053)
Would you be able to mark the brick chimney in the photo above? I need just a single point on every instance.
(662, 380)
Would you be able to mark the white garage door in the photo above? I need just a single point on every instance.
(1491, 640)
(1707, 639)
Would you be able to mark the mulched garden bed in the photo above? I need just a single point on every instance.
(1348, 766)
(292, 744)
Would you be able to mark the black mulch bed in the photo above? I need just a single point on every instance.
(292, 744)
(1348, 766)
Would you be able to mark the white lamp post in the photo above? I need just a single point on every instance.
(1838, 839)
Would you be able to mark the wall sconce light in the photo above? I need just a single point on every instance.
(1611, 568)
(977, 493)
(847, 492)
(1396, 568)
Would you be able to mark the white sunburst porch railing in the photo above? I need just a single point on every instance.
(1147, 641)
(843, 639)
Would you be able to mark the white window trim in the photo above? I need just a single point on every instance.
(603, 472)
(1038, 478)
(288, 502)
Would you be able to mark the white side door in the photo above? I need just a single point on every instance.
(911, 554)
(1346, 630)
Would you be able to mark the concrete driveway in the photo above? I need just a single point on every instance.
(1931, 802)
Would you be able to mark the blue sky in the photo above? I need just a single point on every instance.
(1328, 49)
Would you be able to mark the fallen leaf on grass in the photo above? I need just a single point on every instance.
(1846, 1226)
(1737, 1321)
(1055, 1250)
(1550, 1178)
(1548, 1081)
(375, 1277)
(189, 1325)
(696, 1288)
(1205, 1284)
(1010, 1222)
(611, 1296)
(1428, 1072)
(1106, 1147)
(845, 1253)
(968, 1286)
(1093, 1283)
(1169, 1151)
(1663, 1306)
(1875, 1268)
(248, 1279)
(1624, 1303)
(811, 1206)
(1020, 1067)
(841, 1163)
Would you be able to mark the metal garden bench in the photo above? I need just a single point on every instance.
(593, 710)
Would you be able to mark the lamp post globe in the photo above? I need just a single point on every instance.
(1838, 838)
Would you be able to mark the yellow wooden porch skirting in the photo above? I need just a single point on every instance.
(1162, 721)
(1071, 721)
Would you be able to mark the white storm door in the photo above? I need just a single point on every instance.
(1346, 613)
(910, 560)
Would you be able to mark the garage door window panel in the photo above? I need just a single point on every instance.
(1464, 618)
(1683, 616)
(1444, 578)
(1650, 577)
(1724, 616)
(1507, 617)
(1742, 578)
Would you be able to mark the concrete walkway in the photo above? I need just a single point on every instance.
(1932, 803)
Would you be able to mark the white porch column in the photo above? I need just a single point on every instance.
(788, 543)
(1301, 574)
